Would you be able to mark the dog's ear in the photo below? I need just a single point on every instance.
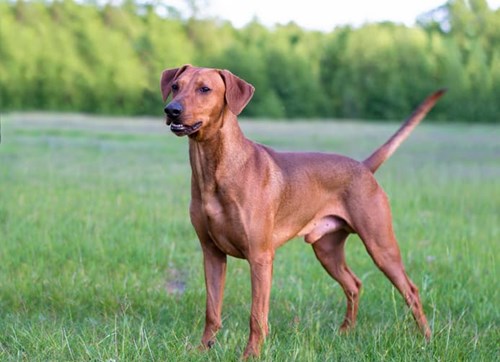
(167, 78)
(238, 92)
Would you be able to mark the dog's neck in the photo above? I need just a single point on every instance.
(220, 156)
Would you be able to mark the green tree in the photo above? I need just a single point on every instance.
(107, 57)
(248, 63)
(378, 71)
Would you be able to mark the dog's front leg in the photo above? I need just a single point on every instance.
(261, 269)
(214, 262)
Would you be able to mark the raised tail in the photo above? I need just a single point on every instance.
(387, 149)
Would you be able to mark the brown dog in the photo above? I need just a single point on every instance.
(247, 199)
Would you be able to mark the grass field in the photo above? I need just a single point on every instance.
(98, 261)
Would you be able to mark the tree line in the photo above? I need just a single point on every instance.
(88, 57)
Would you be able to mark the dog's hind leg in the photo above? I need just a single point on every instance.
(374, 227)
(330, 252)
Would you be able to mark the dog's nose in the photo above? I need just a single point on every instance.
(173, 110)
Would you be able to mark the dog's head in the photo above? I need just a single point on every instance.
(200, 97)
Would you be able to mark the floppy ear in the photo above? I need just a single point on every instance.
(167, 78)
(238, 92)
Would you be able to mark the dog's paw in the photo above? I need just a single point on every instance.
(346, 327)
(205, 346)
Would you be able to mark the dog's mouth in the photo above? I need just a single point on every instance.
(180, 129)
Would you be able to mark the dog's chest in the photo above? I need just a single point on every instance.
(225, 224)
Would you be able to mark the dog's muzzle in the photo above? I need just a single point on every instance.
(174, 111)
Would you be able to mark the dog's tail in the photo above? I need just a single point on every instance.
(387, 149)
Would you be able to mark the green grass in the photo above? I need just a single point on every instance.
(98, 260)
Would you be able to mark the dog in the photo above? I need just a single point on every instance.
(247, 199)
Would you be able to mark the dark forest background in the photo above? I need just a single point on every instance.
(89, 56)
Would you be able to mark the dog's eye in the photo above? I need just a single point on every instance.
(175, 87)
(205, 89)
